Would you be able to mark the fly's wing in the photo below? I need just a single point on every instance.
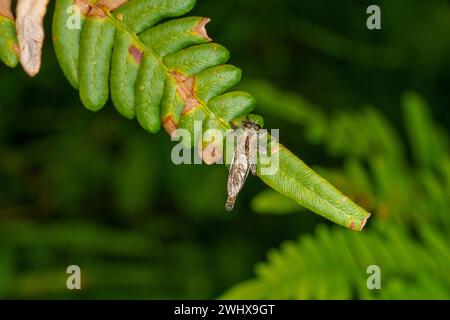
(239, 170)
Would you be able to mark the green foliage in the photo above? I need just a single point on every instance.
(85, 242)
(408, 240)
(75, 186)
(331, 264)
(271, 202)
(169, 73)
(8, 42)
(151, 70)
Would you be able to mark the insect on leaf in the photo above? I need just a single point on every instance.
(243, 161)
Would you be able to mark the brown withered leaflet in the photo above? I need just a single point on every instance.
(244, 160)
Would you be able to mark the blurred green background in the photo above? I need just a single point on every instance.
(370, 110)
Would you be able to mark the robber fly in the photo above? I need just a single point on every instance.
(243, 161)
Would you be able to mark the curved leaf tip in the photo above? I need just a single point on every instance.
(294, 179)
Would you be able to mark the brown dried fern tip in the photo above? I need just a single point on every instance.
(30, 33)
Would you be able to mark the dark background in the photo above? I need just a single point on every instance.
(95, 190)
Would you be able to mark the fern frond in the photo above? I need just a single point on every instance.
(170, 74)
(333, 265)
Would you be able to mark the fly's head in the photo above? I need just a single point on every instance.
(250, 125)
(251, 121)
